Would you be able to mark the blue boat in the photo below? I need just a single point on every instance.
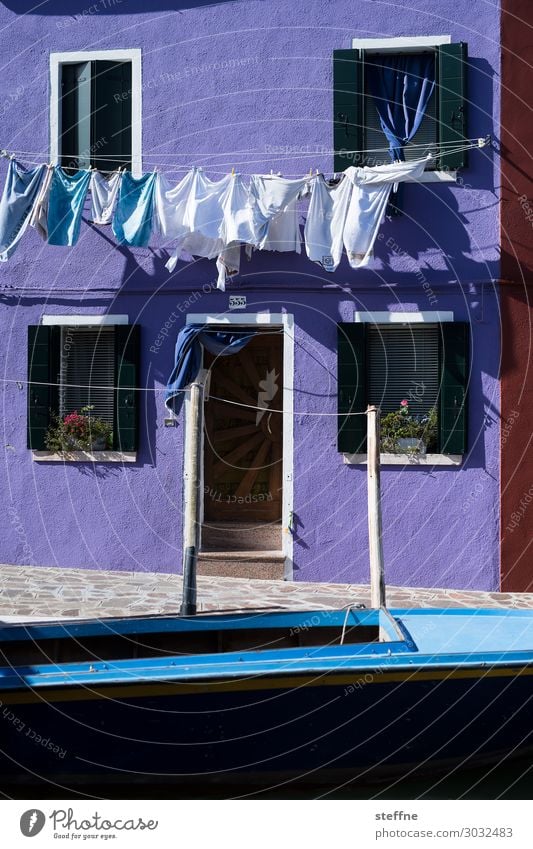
(313, 696)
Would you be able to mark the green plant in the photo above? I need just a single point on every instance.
(401, 424)
(78, 432)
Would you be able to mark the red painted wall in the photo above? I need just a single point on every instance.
(516, 290)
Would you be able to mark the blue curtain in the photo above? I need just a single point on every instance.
(188, 356)
(401, 86)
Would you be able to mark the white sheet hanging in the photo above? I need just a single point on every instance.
(274, 204)
(283, 233)
(369, 199)
(204, 211)
(39, 215)
(104, 193)
(326, 217)
(170, 206)
(237, 223)
(228, 264)
(171, 216)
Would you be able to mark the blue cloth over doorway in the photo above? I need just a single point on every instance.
(188, 356)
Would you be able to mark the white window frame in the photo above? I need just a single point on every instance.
(84, 320)
(405, 318)
(46, 456)
(57, 60)
(407, 44)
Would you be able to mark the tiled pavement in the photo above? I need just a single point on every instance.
(28, 591)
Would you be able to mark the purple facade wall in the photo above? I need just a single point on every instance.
(246, 80)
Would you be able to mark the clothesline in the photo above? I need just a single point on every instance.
(175, 168)
(152, 156)
(202, 217)
(163, 389)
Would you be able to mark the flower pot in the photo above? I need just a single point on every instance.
(410, 445)
(99, 444)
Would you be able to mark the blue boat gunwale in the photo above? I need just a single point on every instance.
(51, 629)
(136, 625)
(161, 671)
(393, 655)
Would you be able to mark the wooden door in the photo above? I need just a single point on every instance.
(243, 447)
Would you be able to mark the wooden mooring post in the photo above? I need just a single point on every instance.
(191, 530)
(375, 540)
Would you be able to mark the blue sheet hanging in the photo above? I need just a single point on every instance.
(132, 221)
(65, 205)
(401, 86)
(188, 356)
(20, 192)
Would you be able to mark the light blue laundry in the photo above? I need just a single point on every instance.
(132, 221)
(65, 206)
(20, 192)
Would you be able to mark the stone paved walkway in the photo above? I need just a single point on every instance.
(45, 592)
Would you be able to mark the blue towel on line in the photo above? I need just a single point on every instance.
(19, 195)
(65, 206)
(132, 221)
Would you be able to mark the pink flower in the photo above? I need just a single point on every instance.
(404, 403)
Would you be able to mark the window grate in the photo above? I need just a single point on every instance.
(87, 371)
(403, 363)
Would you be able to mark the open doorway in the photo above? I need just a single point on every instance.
(243, 461)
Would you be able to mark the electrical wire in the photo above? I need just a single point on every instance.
(174, 392)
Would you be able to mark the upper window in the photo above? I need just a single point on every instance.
(95, 110)
(409, 90)
(96, 115)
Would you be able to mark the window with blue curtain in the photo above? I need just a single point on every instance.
(400, 104)
(421, 95)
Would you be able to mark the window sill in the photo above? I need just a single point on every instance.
(438, 177)
(85, 457)
(407, 459)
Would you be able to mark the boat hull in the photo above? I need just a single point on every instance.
(363, 725)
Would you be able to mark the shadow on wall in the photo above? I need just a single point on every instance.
(88, 8)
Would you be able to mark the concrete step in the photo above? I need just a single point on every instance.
(243, 536)
(265, 565)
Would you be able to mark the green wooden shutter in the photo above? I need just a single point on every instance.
(347, 108)
(127, 357)
(43, 368)
(452, 66)
(111, 115)
(351, 377)
(453, 406)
